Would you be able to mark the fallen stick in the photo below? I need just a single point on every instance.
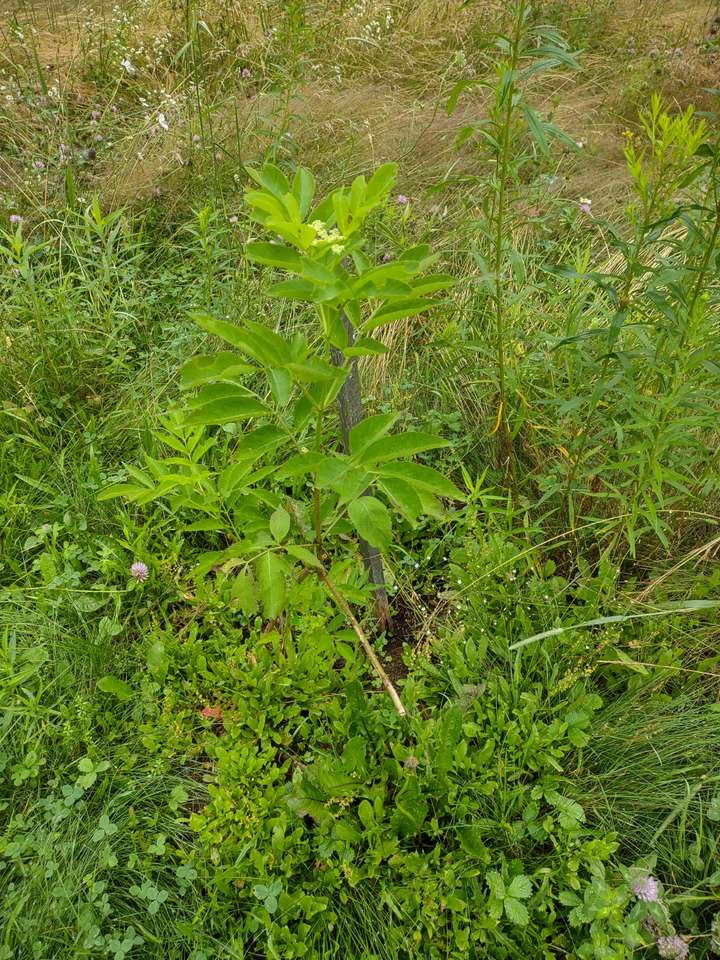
(365, 643)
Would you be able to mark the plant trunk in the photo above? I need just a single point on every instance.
(350, 410)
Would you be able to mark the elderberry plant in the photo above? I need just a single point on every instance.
(307, 472)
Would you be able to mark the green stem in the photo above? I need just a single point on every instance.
(316, 488)
(623, 304)
(503, 158)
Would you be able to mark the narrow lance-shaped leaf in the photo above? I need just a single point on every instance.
(369, 430)
(366, 347)
(297, 289)
(397, 310)
(304, 555)
(219, 391)
(381, 182)
(218, 366)
(304, 189)
(227, 410)
(226, 331)
(400, 445)
(424, 478)
(271, 178)
(274, 255)
(536, 128)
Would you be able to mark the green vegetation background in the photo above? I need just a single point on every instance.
(180, 777)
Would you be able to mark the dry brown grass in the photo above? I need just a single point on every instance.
(371, 98)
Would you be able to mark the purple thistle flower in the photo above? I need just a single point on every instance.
(673, 948)
(139, 571)
(401, 199)
(245, 73)
(39, 165)
(95, 115)
(586, 205)
(646, 888)
(15, 218)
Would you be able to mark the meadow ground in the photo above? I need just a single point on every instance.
(199, 757)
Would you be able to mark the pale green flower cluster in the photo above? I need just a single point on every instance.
(325, 237)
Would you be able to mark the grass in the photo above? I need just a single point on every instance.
(183, 777)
